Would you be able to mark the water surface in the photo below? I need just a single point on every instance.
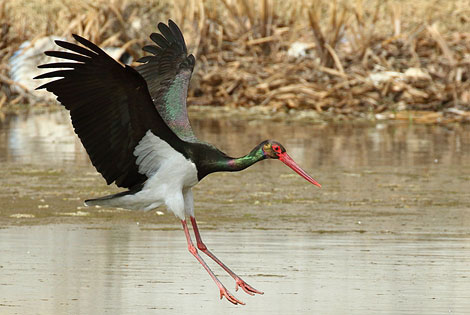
(388, 233)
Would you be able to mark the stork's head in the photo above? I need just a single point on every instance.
(275, 150)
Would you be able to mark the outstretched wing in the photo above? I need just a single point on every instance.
(167, 74)
(110, 107)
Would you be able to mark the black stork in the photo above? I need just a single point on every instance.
(134, 125)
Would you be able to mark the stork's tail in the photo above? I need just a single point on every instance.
(114, 199)
(108, 200)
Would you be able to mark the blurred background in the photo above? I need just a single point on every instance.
(338, 58)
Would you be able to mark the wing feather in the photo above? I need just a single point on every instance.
(152, 49)
(75, 48)
(67, 55)
(177, 32)
(167, 34)
(159, 40)
(110, 107)
(167, 74)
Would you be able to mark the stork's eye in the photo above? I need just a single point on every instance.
(276, 148)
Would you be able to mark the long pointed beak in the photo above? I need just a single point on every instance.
(286, 159)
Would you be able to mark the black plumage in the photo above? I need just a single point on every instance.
(174, 67)
(110, 107)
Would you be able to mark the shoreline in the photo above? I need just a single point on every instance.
(309, 116)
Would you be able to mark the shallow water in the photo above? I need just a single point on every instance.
(388, 232)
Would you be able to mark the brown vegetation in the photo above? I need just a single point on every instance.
(354, 58)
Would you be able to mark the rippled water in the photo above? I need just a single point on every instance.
(388, 233)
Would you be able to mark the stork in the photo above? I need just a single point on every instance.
(134, 125)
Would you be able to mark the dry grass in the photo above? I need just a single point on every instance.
(362, 56)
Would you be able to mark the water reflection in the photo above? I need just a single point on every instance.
(32, 138)
(347, 145)
(39, 138)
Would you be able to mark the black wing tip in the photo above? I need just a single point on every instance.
(161, 24)
(171, 33)
(192, 60)
(144, 59)
(77, 37)
(169, 24)
(42, 86)
(42, 76)
(50, 52)
(178, 35)
(59, 42)
(82, 40)
(88, 44)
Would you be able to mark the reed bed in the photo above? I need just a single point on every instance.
(368, 58)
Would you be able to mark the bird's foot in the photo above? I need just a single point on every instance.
(229, 296)
(246, 287)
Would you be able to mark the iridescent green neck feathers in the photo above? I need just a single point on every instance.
(237, 164)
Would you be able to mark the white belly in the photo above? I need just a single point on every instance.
(166, 186)
(170, 178)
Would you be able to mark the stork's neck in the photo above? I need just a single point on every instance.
(217, 161)
(238, 164)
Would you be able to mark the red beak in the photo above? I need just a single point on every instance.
(286, 159)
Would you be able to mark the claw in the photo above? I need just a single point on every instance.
(246, 287)
(232, 299)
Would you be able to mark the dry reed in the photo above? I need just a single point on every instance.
(357, 58)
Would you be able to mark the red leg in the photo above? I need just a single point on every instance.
(239, 282)
(193, 250)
